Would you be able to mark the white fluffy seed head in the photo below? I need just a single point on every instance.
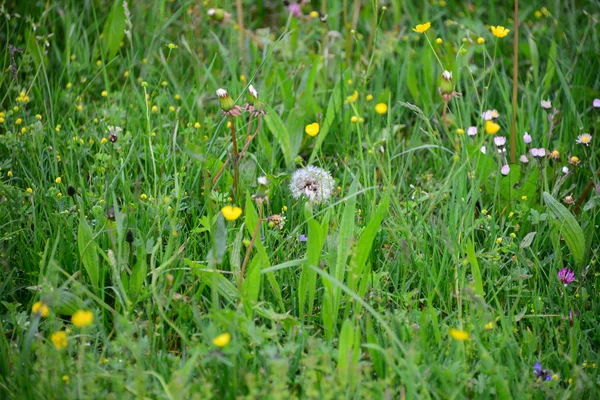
(312, 182)
(222, 93)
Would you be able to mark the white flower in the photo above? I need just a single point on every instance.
(312, 182)
(546, 104)
(222, 93)
(505, 170)
(585, 138)
(472, 131)
(211, 12)
(524, 159)
(253, 91)
(565, 170)
(490, 114)
(596, 103)
(499, 141)
(447, 75)
(538, 153)
(527, 138)
(483, 149)
(262, 180)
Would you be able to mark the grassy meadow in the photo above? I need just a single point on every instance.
(340, 199)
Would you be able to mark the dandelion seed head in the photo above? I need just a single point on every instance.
(312, 182)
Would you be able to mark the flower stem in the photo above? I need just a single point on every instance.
(235, 159)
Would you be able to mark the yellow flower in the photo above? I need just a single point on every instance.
(222, 340)
(422, 28)
(439, 41)
(352, 98)
(143, 196)
(369, 97)
(312, 129)
(499, 31)
(499, 240)
(354, 119)
(458, 334)
(9, 174)
(104, 93)
(480, 40)
(489, 325)
(66, 379)
(59, 339)
(82, 318)
(460, 131)
(154, 109)
(381, 108)
(231, 213)
(104, 140)
(314, 14)
(29, 190)
(491, 127)
(18, 121)
(58, 180)
(38, 116)
(40, 308)
(197, 125)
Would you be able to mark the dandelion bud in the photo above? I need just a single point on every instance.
(227, 103)
(252, 95)
(216, 14)
(446, 86)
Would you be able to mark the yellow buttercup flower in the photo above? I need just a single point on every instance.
(422, 28)
(489, 325)
(491, 127)
(40, 308)
(381, 108)
(59, 340)
(312, 129)
(499, 31)
(480, 40)
(352, 98)
(231, 213)
(222, 340)
(82, 318)
(458, 334)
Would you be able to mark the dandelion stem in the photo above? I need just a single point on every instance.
(235, 159)
(249, 249)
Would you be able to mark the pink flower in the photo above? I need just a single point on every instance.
(472, 131)
(566, 276)
(527, 138)
(596, 103)
(505, 170)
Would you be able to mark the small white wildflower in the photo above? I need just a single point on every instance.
(222, 93)
(262, 180)
(505, 170)
(447, 75)
(565, 170)
(524, 159)
(488, 115)
(596, 103)
(527, 138)
(499, 141)
(585, 139)
(483, 149)
(312, 182)
(472, 131)
(538, 153)
(546, 104)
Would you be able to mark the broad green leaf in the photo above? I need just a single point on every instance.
(114, 30)
(278, 129)
(568, 227)
(88, 252)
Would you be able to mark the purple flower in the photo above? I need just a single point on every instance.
(540, 373)
(303, 238)
(566, 276)
(295, 9)
(596, 103)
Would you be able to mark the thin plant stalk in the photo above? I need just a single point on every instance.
(513, 133)
(235, 159)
